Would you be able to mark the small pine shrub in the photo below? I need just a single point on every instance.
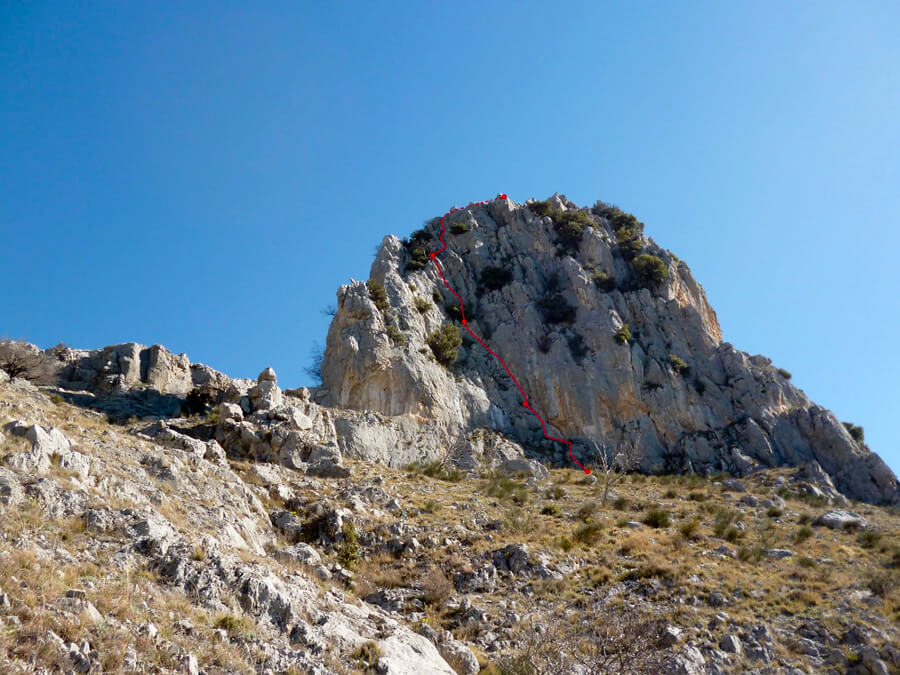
(604, 281)
(650, 270)
(445, 343)
(495, 278)
(678, 365)
(569, 226)
(422, 305)
(395, 335)
(622, 335)
(657, 518)
(378, 295)
(459, 228)
(416, 247)
(436, 296)
(784, 373)
(541, 208)
(550, 510)
(856, 432)
(544, 343)
(349, 552)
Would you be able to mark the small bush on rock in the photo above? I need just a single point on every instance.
(445, 343)
(556, 309)
(459, 228)
(650, 270)
(622, 335)
(678, 365)
(378, 295)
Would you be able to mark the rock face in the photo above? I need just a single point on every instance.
(608, 353)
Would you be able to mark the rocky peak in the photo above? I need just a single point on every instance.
(608, 333)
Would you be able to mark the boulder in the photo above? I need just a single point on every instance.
(841, 520)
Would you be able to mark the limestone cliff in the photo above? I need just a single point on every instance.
(608, 333)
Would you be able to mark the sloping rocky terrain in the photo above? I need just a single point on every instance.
(236, 540)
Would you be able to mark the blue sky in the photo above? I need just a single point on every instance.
(206, 178)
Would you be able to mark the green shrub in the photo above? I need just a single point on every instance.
(856, 432)
(650, 270)
(604, 281)
(883, 583)
(698, 496)
(422, 305)
(670, 493)
(378, 295)
(784, 373)
(556, 309)
(678, 365)
(774, 512)
(628, 229)
(445, 343)
(566, 544)
(550, 510)
(623, 335)
(495, 278)
(588, 533)
(689, 529)
(751, 553)
(555, 492)
(459, 228)
(569, 226)
(620, 503)
(349, 551)
(722, 519)
(541, 208)
(657, 518)
(504, 487)
(436, 296)
(436, 469)
(431, 506)
(395, 335)
(732, 534)
(586, 511)
(453, 311)
(869, 538)
(416, 246)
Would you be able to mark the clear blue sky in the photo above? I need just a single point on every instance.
(206, 178)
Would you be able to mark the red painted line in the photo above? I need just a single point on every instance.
(465, 324)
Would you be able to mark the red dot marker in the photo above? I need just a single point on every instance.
(502, 196)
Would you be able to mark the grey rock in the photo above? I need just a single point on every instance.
(779, 553)
(731, 644)
(299, 554)
(841, 520)
(527, 467)
(267, 375)
(512, 558)
(480, 580)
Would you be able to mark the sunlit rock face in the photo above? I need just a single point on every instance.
(552, 288)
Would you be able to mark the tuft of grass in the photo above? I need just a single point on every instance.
(367, 654)
(802, 534)
(657, 518)
(586, 511)
(436, 469)
(620, 503)
(588, 533)
(670, 493)
(423, 306)
(722, 520)
(503, 487)
(869, 538)
(774, 512)
(550, 510)
(688, 530)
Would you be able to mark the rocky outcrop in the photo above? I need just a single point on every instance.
(609, 354)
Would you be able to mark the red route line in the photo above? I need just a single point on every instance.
(465, 324)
